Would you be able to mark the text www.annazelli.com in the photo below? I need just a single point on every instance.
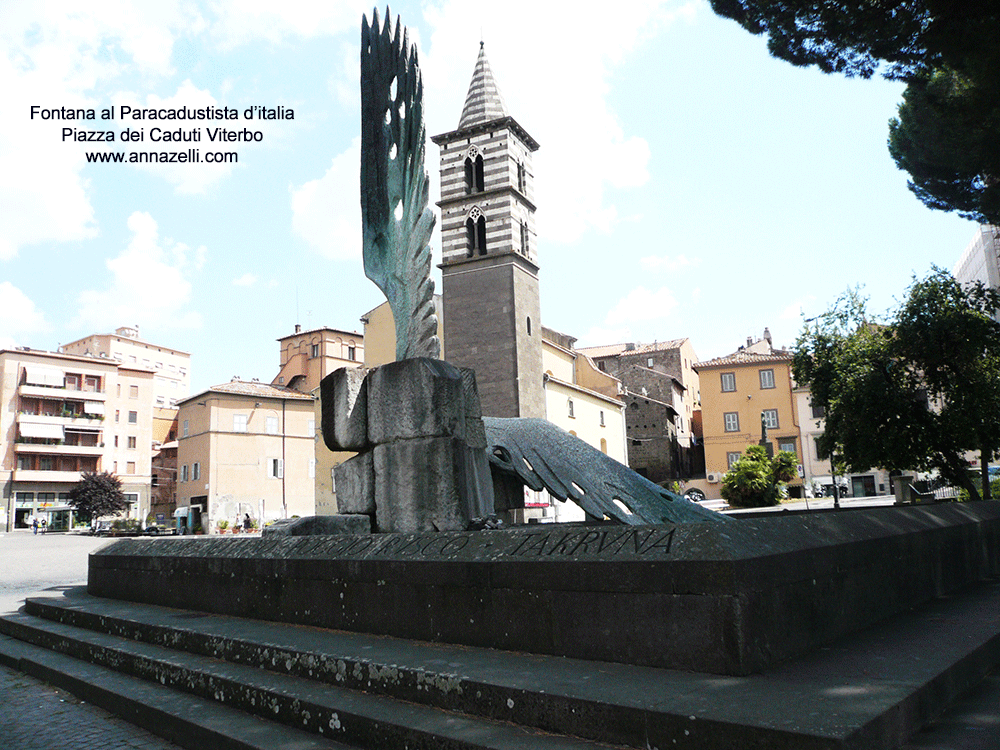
(189, 156)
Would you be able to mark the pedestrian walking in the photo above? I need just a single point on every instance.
(34, 526)
(45, 525)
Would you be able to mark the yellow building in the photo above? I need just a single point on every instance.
(739, 393)
(245, 448)
(62, 415)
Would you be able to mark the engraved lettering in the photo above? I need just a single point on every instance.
(424, 549)
(455, 544)
(585, 539)
(560, 546)
(662, 542)
(364, 543)
(637, 543)
(604, 537)
(538, 546)
(524, 541)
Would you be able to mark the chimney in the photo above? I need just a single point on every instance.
(767, 336)
(749, 340)
(298, 328)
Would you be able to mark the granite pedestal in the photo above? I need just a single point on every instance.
(730, 600)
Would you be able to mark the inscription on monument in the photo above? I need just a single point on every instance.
(646, 542)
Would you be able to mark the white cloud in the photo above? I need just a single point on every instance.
(601, 335)
(642, 305)
(584, 149)
(248, 20)
(666, 263)
(625, 321)
(149, 283)
(247, 279)
(20, 317)
(794, 309)
(326, 212)
(59, 54)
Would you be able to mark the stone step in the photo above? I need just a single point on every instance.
(348, 716)
(181, 718)
(871, 690)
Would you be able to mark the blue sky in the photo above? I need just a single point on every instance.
(687, 184)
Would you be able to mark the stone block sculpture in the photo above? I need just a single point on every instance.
(422, 463)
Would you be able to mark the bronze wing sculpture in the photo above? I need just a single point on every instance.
(396, 222)
(545, 456)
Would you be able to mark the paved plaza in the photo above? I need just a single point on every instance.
(34, 715)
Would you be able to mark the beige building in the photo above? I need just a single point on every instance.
(245, 448)
(739, 393)
(62, 415)
(309, 356)
(817, 476)
(171, 367)
(306, 358)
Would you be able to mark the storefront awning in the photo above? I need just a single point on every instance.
(181, 513)
(40, 375)
(93, 407)
(37, 430)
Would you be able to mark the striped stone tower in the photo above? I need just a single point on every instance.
(489, 253)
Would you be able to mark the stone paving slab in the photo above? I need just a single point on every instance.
(188, 721)
(37, 716)
(871, 690)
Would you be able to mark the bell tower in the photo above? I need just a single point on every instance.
(492, 317)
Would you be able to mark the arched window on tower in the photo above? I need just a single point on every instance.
(475, 231)
(474, 172)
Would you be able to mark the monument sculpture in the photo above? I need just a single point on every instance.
(396, 222)
(417, 424)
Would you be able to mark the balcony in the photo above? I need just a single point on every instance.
(94, 423)
(69, 394)
(60, 450)
(69, 477)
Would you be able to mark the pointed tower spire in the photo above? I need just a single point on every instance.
(483, 103)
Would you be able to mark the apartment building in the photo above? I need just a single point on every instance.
(741, 393)
(62, 415)
(171, 367)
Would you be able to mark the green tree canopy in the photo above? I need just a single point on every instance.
(96, 495)
(914, 392)
(755, 480)
(948, 129)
